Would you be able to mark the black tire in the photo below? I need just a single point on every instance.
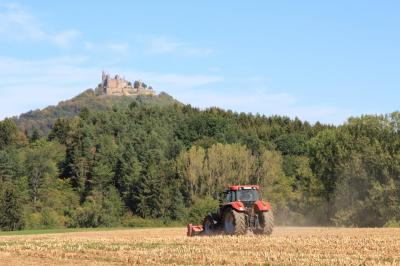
(234, 223)
(266, 220)
(208, 226)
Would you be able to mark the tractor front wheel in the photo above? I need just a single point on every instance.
(234, 223)
(208, 226)
(266, 221)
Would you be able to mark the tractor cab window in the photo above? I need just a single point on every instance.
(247, 195)
(230, 196)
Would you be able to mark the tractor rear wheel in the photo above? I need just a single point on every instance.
(266, 220)
(234, 223)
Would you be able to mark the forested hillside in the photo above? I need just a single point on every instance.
(108, 166)
(42, 121)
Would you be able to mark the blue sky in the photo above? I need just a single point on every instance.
(317, 60)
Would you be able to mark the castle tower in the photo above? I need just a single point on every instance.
(118, 86)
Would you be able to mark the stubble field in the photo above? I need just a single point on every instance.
(170, 246)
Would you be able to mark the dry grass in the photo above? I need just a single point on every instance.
(170, 246)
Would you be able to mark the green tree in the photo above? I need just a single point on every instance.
(127, 171)
(101, 208)
(11, 207)
(190, 166)
(10, 168)
(41, 166)
(60, 131)
(148, 194)
(328, 150)
(292, 144)
(200, 208)
(8, 133)
(228, 164)
(277, 187)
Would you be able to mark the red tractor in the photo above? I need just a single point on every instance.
(242, 210)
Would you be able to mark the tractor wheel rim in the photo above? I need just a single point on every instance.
(229, 224)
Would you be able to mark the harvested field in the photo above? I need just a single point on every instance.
(170, 246)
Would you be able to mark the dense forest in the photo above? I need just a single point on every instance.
(141, 163)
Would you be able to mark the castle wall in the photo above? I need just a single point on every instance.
(120, 87)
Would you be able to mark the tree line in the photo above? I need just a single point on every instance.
(167, 163)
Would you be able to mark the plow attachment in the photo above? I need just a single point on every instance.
(194, 230)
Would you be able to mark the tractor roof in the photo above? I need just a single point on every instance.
(238, 187)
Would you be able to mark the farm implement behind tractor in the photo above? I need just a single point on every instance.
(242, 211)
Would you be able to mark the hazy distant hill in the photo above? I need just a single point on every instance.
(44, 119)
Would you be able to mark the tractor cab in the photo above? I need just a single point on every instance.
(242, 193)
(245, 196)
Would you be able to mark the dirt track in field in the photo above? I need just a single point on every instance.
(170, 246)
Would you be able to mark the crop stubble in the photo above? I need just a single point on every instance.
(170, 246)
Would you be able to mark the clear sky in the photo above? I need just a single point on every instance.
(317, 60)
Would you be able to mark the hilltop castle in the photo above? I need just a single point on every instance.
(118, 86)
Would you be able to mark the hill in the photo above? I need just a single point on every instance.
(43, 120)
(112, 159)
